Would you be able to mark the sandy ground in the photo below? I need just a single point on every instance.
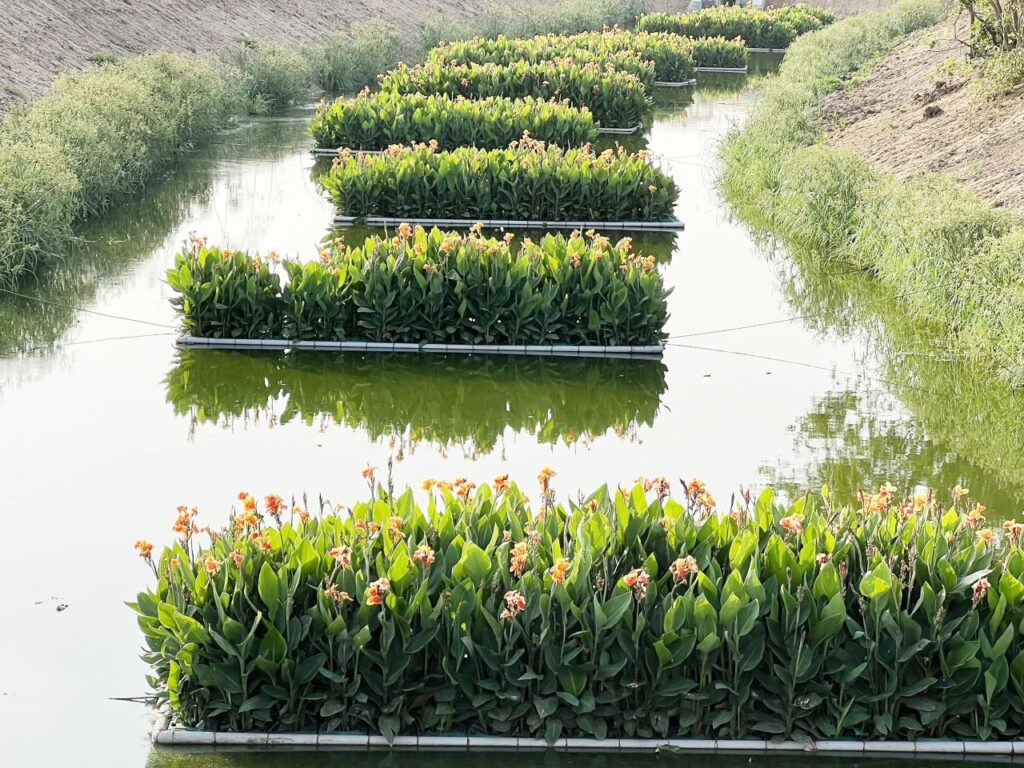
(910, 117)
(41, 38)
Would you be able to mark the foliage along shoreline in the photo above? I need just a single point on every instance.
(953, 259)
(630, 613)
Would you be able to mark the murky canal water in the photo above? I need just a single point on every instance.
(107, 426)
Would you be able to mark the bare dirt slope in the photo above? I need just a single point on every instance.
(41, 38)
(912, 117)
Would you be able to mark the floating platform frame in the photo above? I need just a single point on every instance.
(327, 152)
(182, 737)
(546, 350)
(617, 226)
(726, 70)
(621, 131)
(668, 84)
(767, 50)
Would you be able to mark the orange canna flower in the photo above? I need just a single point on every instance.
(212, 565)
(682, 567)
(501, 483)
(637, 580)
(238, 557)
(978, 592)
(959, 492)
(986, 535)
(368, 473)
(376, 592)
(792, 523)
(395, 529)
(975, 516)
(342, 556)
(515, 603)
(518, 560)
(559, 570)
(545, 476)
(145, 549)
(274, 504)
(423, 555)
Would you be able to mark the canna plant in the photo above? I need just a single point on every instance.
(379, 120)
(630, 613)
(430, 287)
(616, 98)
(671, 54)
(719, 52)
(529, 180)
(773, 28)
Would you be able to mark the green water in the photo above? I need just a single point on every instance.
(107, 426)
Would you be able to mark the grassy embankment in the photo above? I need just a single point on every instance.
(951, 258)
(101, 134)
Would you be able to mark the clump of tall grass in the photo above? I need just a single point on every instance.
(343, 62)
(268, 76)
(953, 258)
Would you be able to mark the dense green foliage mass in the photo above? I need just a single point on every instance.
(774, 28)
(617, 99)
(629, 613)
(671, 54)
(527, 181)
(429, 287)
(377, 121)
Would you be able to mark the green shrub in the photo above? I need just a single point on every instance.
(462, 402)
(348, 62)
(96, 136)
(429, 287)
(774, 28)
(628, 614)
(527, 181)
(616, 99)
(268, 76)
(376, 121)
(670, 53)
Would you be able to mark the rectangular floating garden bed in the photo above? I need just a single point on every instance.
(556, 350)
(527, 181)
(616, 226)
(384, 119)
(664, 84)
(433, 291)
(767, 50)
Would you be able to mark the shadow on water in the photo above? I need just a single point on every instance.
(964, 424)
(458, 401)
(160, 758)
(110, 245)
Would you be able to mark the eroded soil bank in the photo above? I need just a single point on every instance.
(39, 39)
(913, 116)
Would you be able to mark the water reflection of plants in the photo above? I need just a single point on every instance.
(967, 426)
(465, 402)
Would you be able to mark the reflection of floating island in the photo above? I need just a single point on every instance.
(409, 399)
